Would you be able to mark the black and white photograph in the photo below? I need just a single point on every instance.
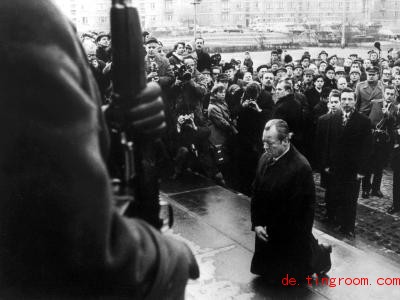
(200, 149)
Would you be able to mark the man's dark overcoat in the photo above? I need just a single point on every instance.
(283, 201)
(346, 149)
(289, 109)
(203, 60)
(59, 234)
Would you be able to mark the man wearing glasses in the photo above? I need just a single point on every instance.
(386, 76)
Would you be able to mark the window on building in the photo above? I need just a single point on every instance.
(169, 18)
(168, 4)
(102, 20)
(152, 5)
(225, 17)
(153, 18)
(85, 20)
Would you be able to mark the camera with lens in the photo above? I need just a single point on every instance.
(186, 119)
(252, 103)
(183, 73)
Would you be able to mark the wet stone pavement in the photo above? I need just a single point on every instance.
(214, 222)
(375, 228)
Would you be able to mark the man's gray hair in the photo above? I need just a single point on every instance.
(282, 128)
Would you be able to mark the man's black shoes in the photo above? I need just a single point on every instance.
(377, 193)
(322, 259)
(365, 195)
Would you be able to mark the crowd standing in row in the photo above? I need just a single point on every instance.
(343, 113)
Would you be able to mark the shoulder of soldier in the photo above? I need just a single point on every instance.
(24, 20)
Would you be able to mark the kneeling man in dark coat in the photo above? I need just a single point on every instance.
(282, 211)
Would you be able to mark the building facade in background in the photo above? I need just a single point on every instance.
(87, 15)
(94, 14)
(387, 12)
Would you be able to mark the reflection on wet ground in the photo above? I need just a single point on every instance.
(215, 222)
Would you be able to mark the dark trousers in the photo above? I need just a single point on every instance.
(396, 178)
(342, 191)
(330, 200)
(396, 189)
(197, 160)
(378, 162)
(375, 185)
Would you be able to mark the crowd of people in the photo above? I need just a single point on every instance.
(216, 111)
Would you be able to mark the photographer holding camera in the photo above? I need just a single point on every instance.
(157, 67)
(189, 90)
(193, 147)
(255, 111)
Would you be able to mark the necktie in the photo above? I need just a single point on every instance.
(345, 119)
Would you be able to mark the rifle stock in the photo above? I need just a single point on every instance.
(128, 71)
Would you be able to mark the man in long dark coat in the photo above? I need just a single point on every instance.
(282, 211)
(60, 236)
(345, 156)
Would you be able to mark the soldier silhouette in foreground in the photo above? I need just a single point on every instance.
(60, 236)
